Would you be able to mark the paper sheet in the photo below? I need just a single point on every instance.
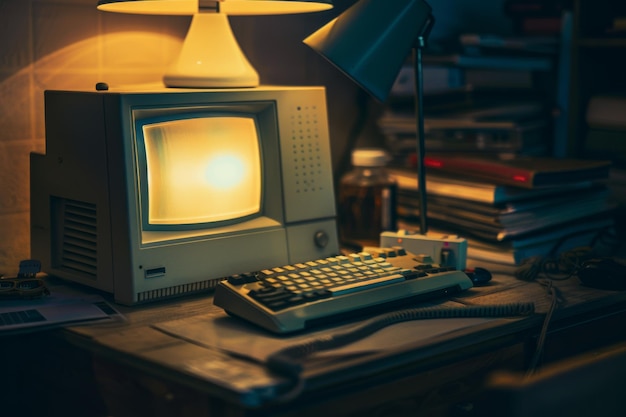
(58, 309)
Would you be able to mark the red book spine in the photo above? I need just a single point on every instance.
(499, 173)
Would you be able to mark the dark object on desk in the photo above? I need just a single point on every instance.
(29, 268)
(603, 273)
(479, 276)
(22, 288)
(530, 268)
(27, 284)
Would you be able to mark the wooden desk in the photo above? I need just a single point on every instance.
(135, 369)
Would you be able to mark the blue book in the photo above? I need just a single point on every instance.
(527, 63)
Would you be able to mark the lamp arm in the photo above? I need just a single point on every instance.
(428, 27)
(420, 44)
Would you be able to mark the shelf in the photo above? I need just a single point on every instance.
(602, 42)
(596, 68)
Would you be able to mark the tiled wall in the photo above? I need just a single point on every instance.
(68, 44)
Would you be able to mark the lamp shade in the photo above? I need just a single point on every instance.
(228, 7)
(371, 40)
(210, 56)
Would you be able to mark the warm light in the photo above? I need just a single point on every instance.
(202, 170)
(226, 171)
(211, 56)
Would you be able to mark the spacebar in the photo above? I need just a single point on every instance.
(365, 285)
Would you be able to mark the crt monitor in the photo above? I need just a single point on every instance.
(156, 193)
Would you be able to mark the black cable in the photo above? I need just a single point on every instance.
(554, 301)
(546, 269)
(564, 265)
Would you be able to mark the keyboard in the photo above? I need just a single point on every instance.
(306, 295)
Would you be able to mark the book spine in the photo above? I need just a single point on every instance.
(521, 8)
(607, 112)
(506, 175)
(502, 62)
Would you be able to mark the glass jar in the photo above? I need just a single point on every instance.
(367, 199)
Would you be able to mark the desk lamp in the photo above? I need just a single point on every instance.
(210, 55)
(369, 42)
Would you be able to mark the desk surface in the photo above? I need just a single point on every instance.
(139, 345)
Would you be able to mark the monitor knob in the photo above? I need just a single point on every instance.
(321, 239)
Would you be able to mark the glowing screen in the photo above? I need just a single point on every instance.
(203, 169)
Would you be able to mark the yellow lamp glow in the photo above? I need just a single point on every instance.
(211, 56)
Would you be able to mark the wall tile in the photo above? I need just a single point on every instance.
(65, 36)
(259, 36)
(17, 247)
(15, 106)
(140, 42)
(15, 40)
(14, 174)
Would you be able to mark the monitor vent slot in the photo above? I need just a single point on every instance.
(79, 237)
(177, 290)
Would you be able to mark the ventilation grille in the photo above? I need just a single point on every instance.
(78, 238)
(177, 290)
(306, 157)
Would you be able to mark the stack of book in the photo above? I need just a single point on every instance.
(536, 16)
(497, 129)
(487, 94)
(511, 210)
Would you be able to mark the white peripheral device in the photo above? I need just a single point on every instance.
(442, 249)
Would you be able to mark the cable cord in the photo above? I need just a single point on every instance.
(546, 270)
(289, 361)
(534, 270)
(566, 264)
(555, 298)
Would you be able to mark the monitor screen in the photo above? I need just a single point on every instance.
(200, 168)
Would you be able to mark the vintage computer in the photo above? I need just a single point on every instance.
(158, 192)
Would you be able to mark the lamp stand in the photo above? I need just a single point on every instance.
(211, 57)
(420, 44)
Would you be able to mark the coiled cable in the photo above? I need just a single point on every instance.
(289, 361)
